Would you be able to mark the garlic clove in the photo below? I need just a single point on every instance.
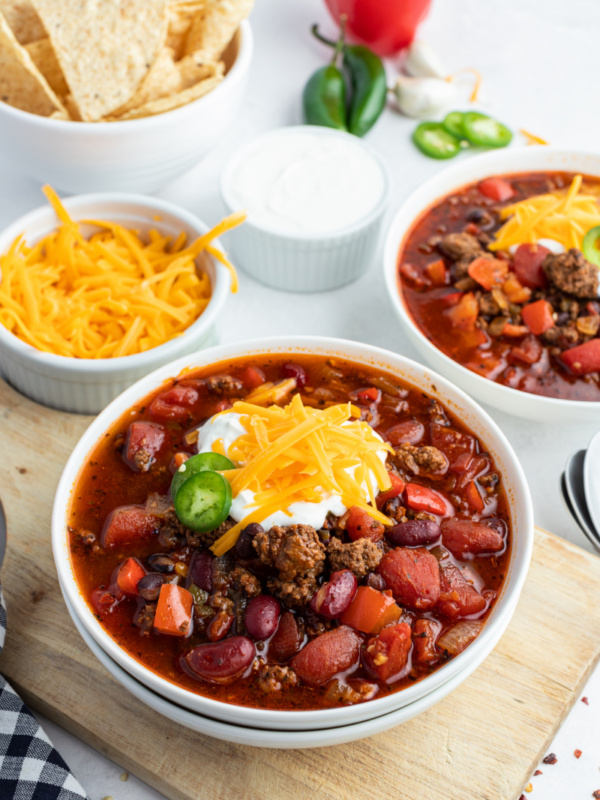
(423, 62)
(423, 97)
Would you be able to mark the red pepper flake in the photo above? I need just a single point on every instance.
(585, 700)
(537, 772)
(550, 759)
(577, 753)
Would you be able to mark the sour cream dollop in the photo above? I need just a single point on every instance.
(228, 428)
(298, 181)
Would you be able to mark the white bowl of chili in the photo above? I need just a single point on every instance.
(453, 181)
(514, 493)
(87, 385)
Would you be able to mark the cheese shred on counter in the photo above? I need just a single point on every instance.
(108, 295)
(296, 453)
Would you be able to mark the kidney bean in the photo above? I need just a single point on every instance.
(292, 370)
(149, 585)
(411, 431)
(331, 652)
(219, 626)
(334, 597)
(159, 562)
(220, 662)
(498, 525)
(200, 570)
(414, 533)
(463, 537)
(375, 581)
(287, 639)
(243, 546)
(262, 616)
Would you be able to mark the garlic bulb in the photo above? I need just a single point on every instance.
(423, 97)
(422, 62)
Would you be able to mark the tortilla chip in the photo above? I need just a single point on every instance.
(176, 100)
(44, 58)
(72, 109)
(105, 48)
(192, 70)
(180, 17)
(21, 83)
(214, 26)
(23, 20)
(162, 79)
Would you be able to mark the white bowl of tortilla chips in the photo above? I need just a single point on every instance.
(118, 94)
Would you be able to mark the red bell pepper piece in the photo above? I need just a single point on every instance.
(370, 610)
(538, 316)
(497, 189)
(173, 610)
(421, 498)
(396, 489)
(488, 272)
(584, 358)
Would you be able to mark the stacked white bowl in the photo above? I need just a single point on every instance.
(271, 728)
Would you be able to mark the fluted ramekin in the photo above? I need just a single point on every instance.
(304, 261)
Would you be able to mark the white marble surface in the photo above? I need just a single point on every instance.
(539, 64)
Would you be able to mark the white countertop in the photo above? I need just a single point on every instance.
(539, 65)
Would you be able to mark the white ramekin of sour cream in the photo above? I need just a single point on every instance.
(315, 199)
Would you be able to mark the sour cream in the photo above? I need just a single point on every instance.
(550, 244)
(228, 428)
(301, 181)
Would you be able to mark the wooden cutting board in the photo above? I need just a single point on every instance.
(481, 742)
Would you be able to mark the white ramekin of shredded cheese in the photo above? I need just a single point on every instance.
(315, 199)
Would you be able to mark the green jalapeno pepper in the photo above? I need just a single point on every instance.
(433, 140)
(453, 123)
(485, 131)
(367, 80)
(199, 463)
(591, 246)
(203, 501)
(324, 98)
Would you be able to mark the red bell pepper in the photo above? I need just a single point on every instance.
(584, 358)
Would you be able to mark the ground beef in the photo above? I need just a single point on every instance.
(142, 460)
(144, 619)
(171, 533)
(208, 538)
(488, 306)
(224, 385)
(298, 554)
(359, 557)
(572, 273)
(273, 678)
(490, 480)
(220, 602)
(425, 460)
(459, 246)
(244, 579)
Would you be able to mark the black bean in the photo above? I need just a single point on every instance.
(149, 585)
(243, 546)
(160, 562)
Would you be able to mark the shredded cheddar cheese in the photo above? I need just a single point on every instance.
(296, 454)
(563, 216)
(108, 295)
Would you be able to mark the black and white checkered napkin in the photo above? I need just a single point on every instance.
(30, 768)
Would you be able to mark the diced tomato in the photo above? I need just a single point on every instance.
(477, 466)
(584, 358)
(529, 350)
(128, 525)
(538, 316)
(496, 189)
(334, 651)
(361, 525)
(457, 597)
(396, 489)
(425, 632)
(370, 610)
(514, 331)
(413, 576)
(464, 537)
(252, 377)
(464, 314)
(386, 655)
(451, 298)
(370, 395)
(143, 443)
(411, 431)
(412, 275)
(527, 263)
(453, 444)
(175, 403)
(126, 576)
(173, 610)
(422, 498)
(515, 291)
(437, 272)
(103, 601)
(488, 272)
(474, 498)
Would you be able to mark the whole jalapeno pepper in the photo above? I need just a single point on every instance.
(324, 97)
(368, 83)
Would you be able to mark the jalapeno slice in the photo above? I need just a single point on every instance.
(485, 131)
(200, 463)
(203, 501)
(453, 123)
(591, 246)
(434, 141)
